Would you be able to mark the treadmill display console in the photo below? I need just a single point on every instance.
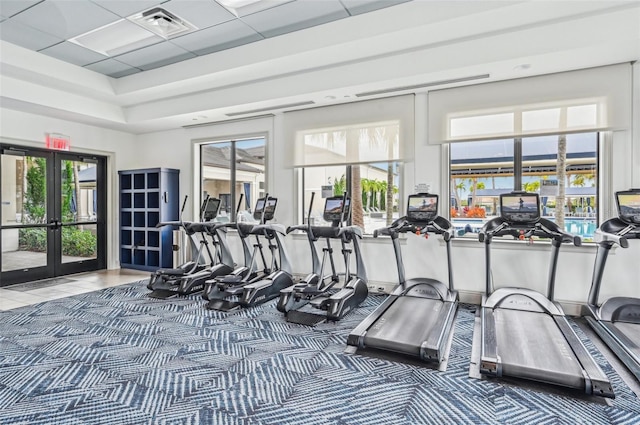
(333, 210)
(422, 207)
(520, 207)
(268, 212)
(629, 206)
(211, 209)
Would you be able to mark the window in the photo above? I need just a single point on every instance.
(378, 205)
(481, 171)
(358, 147)
(232, 168)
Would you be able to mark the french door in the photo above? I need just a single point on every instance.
(53, 215)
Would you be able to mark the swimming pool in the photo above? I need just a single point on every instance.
(581, 226)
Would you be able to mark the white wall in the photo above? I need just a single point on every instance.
(26, 129)
(514, 264)
(177, 149)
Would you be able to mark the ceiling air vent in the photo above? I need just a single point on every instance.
(162, 22)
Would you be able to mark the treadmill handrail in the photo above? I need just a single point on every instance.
(542, 228)
(604, 238)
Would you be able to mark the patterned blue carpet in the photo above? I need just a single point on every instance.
(118, 357)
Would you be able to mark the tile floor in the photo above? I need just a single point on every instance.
(50, 289)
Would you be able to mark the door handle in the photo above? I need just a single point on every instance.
(54, 224)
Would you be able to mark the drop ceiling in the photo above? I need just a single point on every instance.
(50, 27)
(265, 62)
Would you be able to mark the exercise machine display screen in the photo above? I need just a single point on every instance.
(333, 210)
(268, 212)
(211, 209)
(422, 207)
(520, 207)
(629, 206)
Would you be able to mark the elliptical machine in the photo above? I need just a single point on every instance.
(244, 272)
(314, 289)
(417, 318)
(617, 320)
(190, 277)
(228, 293)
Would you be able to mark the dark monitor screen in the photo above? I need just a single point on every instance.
(629, 206)
(268, 212)
(333, 209)
(520, 208)
(211, 209)
(422, 207)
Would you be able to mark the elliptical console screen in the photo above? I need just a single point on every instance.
(268, 212)
(333, 209)
(211, 209)
(422, 207)
(629, 206)
(520, 208)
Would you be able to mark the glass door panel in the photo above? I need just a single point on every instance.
(78, 210)
(25, 228)
(52, 220)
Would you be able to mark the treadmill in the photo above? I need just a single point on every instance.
(617, 320)
(526, 334)
(416, 319)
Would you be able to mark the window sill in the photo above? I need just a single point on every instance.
(542, 245)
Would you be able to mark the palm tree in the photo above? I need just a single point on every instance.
(339, 186)
(366, 192)
(390, 191)
(382, 188)
(475, 185)
(353, 145)
(533, 186)
(455, 188)
(561, 168)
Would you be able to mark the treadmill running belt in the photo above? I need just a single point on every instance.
(404, 326)
(531, 346)
(632, 332)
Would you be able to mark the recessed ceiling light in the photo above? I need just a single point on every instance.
(330, 97)
(522, 67)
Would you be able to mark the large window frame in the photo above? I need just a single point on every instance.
(375, 210)
(582, 218)
(240, 163)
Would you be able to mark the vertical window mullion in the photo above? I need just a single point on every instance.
(517, 163)
(347, 188)
(232, 183)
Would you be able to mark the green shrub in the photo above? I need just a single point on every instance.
(78, 243)
(75, 242)
(34, 239)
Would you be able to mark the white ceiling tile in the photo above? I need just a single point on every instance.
(66, 19)
(167, 61)
(201, 13)
(72, 53)
(25, 36)
(9, 8)
(295, 16)
(112, 68)
(125, 8)
(220, 37)
(154, 54)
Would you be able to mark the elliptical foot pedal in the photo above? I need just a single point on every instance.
(302, 318)
(162, 294)
(223, 305)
